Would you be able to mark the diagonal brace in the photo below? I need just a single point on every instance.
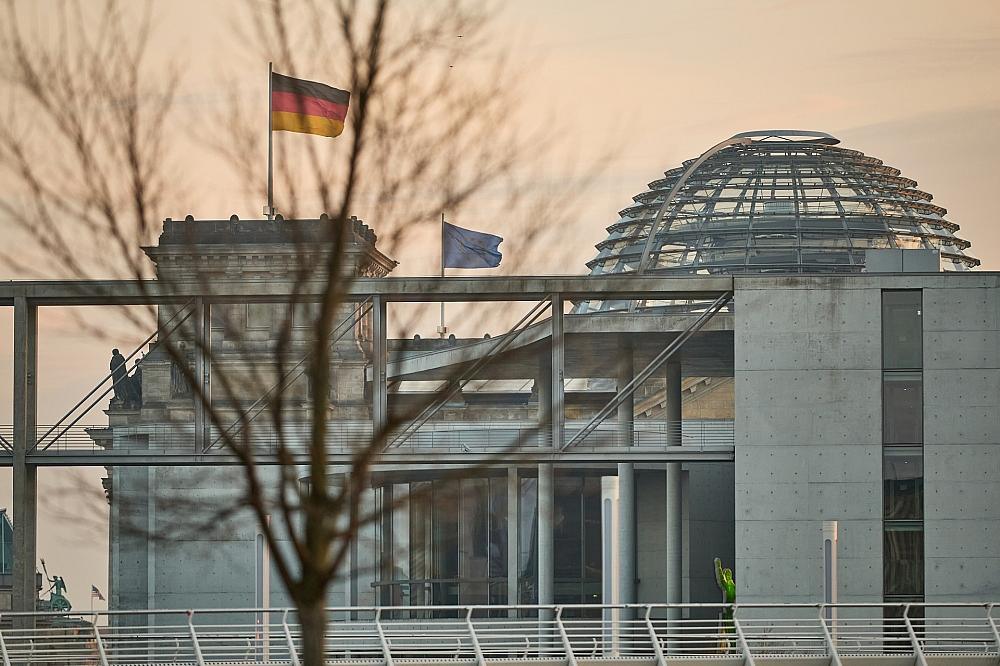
(647, 372)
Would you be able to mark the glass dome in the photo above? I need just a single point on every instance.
(785, 201)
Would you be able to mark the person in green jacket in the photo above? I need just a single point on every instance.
(724, 579)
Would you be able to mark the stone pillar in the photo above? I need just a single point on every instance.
(551, 398)
(674, 515)
(25, 475)
(626, 523)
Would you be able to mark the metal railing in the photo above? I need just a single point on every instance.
(450, 634)
(347, 436)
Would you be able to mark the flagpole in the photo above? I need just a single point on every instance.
(270, 146)
(441, 329)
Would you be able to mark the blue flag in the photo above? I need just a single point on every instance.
(464, 248)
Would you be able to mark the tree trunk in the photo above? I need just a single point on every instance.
(312, 616)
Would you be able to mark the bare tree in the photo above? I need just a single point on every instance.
(88, 149)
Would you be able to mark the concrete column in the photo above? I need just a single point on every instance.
(387, 565)
(553, 410)
(380, 396)
(626, 523)
(557, 375)
(513, 539)
(546, 548)
(674, 516)
(25, 475)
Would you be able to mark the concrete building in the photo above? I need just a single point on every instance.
(865, 398)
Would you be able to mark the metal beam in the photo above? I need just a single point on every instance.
(529, 455)
(393, 289)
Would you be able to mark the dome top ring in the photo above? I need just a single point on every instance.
(800, 136)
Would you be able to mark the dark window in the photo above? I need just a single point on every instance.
(902, 408)
(903, 483)
(902, 330)
(903, 559)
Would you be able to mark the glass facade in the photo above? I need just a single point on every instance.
(445, 543)
(902, 446)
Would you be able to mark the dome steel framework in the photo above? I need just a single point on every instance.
(787, 201)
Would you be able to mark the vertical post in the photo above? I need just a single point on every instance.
(566, 643)
(513, 537)
(674, 522)
(830, 572)
(476, 647)
(202, 370)
(199, 659)
(25, 475)
(387, 568)
(101, 654)
(546, 546)
(654, 639)
(626, 523)
(611, 583)
(741, 637)
(442, 329)
(554, 411)
(380, 404)
(383, 641)
(918, 650)
(270, 143)
(292, 654)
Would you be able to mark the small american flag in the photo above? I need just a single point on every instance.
(95, 593)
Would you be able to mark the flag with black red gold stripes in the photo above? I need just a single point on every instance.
(304, 106)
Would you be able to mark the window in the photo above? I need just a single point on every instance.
(902, 407)
(903, 483)
(903, 559)
(902, 330)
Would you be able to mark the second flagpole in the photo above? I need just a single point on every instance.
(442, 329)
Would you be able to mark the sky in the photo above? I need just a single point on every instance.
(639, 86)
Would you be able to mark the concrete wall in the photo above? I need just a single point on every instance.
(962, 440)
(808, 436)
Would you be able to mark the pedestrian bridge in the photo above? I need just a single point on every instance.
(654, 634)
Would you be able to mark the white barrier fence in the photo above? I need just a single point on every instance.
(480, 634)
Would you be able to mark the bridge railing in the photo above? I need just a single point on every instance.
(452, 634)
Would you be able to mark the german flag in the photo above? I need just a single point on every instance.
(308, 107)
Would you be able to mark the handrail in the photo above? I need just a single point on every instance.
(453, 634)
